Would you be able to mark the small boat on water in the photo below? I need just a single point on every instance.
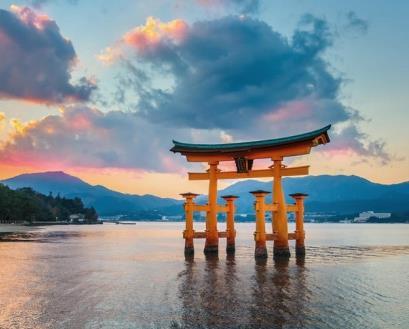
(127, 223)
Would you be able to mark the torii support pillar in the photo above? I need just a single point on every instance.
(299, 224)
(212, 235)
(189, 233)
(230, 230)
(260, 233)
(280, 224)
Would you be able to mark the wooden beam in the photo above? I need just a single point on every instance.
(199, 235)
(205, 207)
(271, 207)
(273, 236)
(222, 208)
(222, 234)
(202, 235)
(292, 207)
(291, 171)
(300, 148)
(199, 207)
(295, 171)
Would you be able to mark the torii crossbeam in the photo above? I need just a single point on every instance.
(244, 154)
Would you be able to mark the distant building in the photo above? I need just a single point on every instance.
(77, 218)
(364, 216)
(172, 218)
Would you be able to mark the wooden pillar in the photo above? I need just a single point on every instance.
(274, 200)
(188, 233)
(212, 236)
(299, 224)
(230, 231)
(280, 224)
(260, 233)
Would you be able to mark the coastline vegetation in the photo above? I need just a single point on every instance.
(27, 205)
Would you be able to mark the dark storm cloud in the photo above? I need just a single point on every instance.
(36, 60)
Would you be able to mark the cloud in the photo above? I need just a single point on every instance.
(84, 137)
(239, 76)
(147, 38)
(351, 140)
(230, 72)
(81, 136)
(40, 3)
(243, 6)
(356, 23)
(36, 60)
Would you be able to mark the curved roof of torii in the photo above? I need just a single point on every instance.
(316, 137)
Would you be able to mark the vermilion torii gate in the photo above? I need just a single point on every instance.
(244, 154)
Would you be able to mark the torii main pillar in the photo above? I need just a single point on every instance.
(279, 218)
(212, 235)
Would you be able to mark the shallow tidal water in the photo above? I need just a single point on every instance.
(136, 276)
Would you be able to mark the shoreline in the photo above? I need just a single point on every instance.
(121, 222)
(7, 230)
(14, 228)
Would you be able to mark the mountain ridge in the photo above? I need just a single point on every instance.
(327, 193)
(105, 200)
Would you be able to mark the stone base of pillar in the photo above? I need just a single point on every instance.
(212, 243)
(211, 249)
(260, 252)
(230, 248)
(189, 251)
(300, 251)
(281, 252)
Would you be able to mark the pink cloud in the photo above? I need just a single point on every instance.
(154, 31)
(147, 36)
(87, 137)
(30, 18)
(298, 109)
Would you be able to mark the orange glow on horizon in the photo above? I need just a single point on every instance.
(135, 181)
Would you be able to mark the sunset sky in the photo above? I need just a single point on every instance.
(99, 89)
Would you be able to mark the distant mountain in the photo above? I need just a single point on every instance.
(105, 201)
(339, 194)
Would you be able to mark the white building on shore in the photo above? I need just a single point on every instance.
(77, 218)
(364, 216)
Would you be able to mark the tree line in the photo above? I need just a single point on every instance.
(25, 204)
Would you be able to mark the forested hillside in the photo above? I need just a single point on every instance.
(25, 204)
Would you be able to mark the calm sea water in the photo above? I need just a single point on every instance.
(135, 276)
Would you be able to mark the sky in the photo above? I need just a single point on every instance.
(99, 89)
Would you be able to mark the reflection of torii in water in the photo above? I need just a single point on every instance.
(212, 294)
(244, 154)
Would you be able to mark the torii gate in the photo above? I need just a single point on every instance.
(244, 154)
